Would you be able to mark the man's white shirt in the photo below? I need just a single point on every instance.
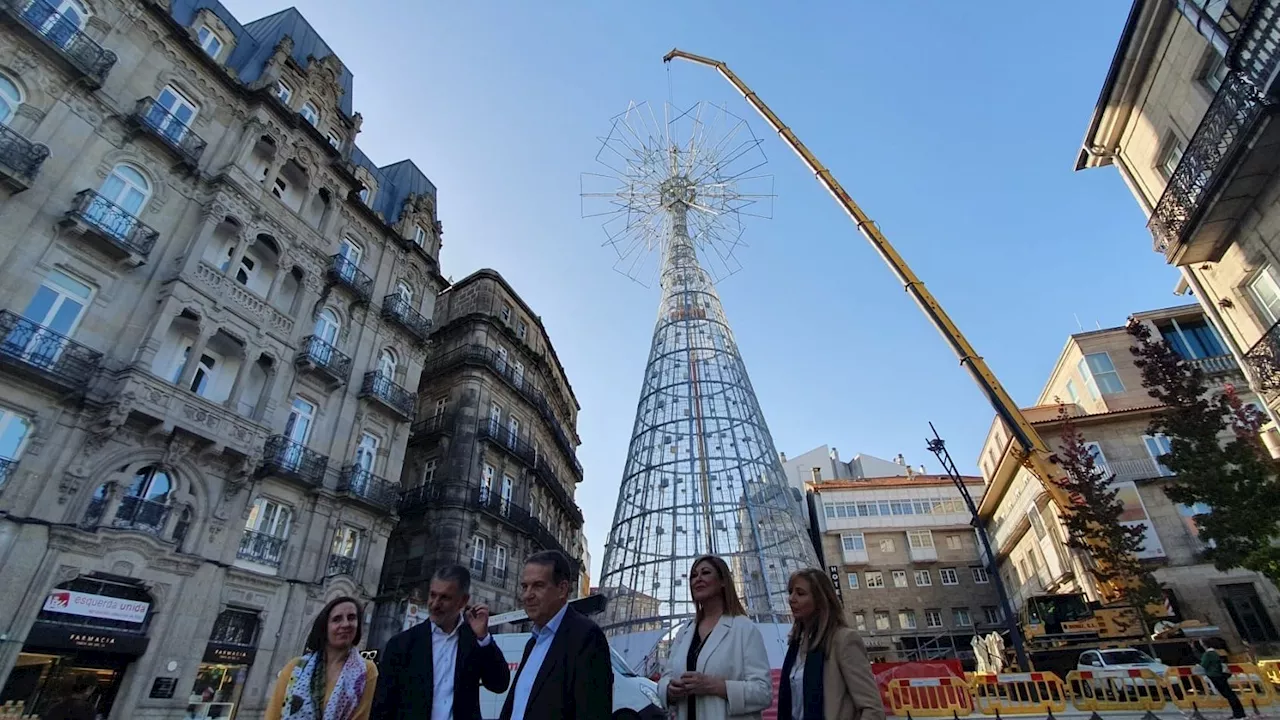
(444, 662)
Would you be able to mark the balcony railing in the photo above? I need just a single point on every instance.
(52, 356)
(1140, 469)
(552, 482)
(359, 483)
(170, 129)
(420, 498)
(321, 357)
(342, 271)
(1216, 365)
(397, 309)
(20, 155)
(289, 459)
(395, 398)
(341, 565)
(480, 355)
(1224, 132)
(136, 513)
(7, 467)
(1264, 359)
(113, 223)
(63, 34)
(509, 441)
(435, 424)
(261, 548)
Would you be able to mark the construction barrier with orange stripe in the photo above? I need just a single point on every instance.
(1191, 688)
(1124, 690)
(1018, 693)
(930, 697)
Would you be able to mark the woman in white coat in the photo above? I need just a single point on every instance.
(718, 668)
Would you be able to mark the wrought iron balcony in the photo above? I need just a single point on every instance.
(434, 425)
(285, 458)
(397, 309)
(390, 395)
(1264, 359)
(1193, 218)
(261, 548)
(173, 132)
(342, 271)
(509, 441)
(20, 159)
(420, 498)
(62, 34)
(360, 484)
(136, 513)
(552, 482)
(323, 359)
(41, 352)
(341, 565)
(7, 467)
(118, 227)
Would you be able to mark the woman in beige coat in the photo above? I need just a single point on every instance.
(718, 668)
(826, 674)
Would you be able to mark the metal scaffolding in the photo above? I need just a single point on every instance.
(702, 475)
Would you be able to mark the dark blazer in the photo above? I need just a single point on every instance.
(838, 684)
(406, 675)
(575, 681)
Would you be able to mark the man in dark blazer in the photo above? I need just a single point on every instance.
(434, 671)
(566, 672)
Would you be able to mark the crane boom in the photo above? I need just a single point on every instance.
(1034, 451)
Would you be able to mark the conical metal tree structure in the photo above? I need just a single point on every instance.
(702, 475)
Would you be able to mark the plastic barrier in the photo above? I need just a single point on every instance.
(930, 697)
(1018, 693)
(1131, 690)
(1192, 689)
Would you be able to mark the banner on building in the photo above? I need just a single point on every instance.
(70, 602)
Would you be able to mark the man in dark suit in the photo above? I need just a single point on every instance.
(566, 672)
(434, 671)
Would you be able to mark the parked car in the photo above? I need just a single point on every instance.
(634, 697)
(1120, 659)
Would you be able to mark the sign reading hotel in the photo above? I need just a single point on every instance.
(70, 602)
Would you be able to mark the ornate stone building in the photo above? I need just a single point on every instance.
(213, 317)
(492, 466)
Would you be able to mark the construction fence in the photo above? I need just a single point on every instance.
(1042, 693)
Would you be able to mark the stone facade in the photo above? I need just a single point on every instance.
(1096, 380)
(492, 465)
(907, 564)
(214, 312)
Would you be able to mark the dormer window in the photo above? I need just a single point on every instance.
(419, 236)
(334, 140)
(310, 114)
(283, 91)
(364, 195)
(209, 41)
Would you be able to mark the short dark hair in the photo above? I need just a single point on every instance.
(454, 574)
(561, 568)
(318, 638)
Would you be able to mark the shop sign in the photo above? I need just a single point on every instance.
(49, 635)
(223, 654)
(71, 602)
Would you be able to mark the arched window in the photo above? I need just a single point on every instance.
(387, 364)
(120, 200)
(310, 113)
(146, 501)
(327, 326)
(405, 292)
(10, 99)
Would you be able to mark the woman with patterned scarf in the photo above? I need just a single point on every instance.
(330, 681)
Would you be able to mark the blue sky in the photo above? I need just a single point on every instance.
(955, 125)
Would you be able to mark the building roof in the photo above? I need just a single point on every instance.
(255, 43)
(882, 482)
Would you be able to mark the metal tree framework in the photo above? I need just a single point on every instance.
(702, 475)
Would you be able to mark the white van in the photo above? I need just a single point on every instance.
(634, 697)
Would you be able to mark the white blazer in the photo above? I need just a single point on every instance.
(734, 651)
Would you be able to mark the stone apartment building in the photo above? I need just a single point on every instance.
(1096, 381)
(492, 465)
(214, 310)
(1187, 115)
(907, 564)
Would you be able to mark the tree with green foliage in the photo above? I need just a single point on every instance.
(1217, 458)
(1093, 523)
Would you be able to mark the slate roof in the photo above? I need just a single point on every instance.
(256, 40)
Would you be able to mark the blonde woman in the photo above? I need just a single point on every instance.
(826, 674)
(718, 668)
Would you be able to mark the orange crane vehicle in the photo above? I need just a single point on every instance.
(1033, 452)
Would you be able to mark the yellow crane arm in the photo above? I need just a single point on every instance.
(1035, 452)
